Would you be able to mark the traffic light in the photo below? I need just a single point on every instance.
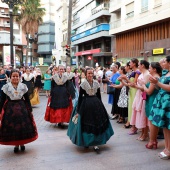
(67, 50)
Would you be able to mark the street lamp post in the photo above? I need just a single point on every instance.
(11, 4)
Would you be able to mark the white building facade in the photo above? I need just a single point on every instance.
(141, 29)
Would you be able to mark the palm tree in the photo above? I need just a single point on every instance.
(30, 18)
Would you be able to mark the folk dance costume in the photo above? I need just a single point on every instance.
(59, 105)
(17, 122)
(38, 83)
(71, 84)
(92, 127)
(28, 79)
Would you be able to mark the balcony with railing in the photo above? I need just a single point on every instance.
(103, 6)
(115, 24)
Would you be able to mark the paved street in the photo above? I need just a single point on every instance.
(54, 151)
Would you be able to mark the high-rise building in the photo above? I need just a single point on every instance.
(46, 31)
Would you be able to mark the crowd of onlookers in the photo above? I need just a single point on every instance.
(139, 93)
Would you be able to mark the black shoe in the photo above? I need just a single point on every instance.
(60, 125)
(86, 147)
(127, 126)
(22, 148)
(16, 149)
(96, 149)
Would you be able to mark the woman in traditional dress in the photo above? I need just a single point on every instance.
(71, 82)
(47, 82)
(38, 82)
(17, 123)
(160, 112)
(59, 106)
(89, 124)
(28, 79)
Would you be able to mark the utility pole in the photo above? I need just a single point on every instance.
(68, 58)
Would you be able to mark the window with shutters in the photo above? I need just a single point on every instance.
(130, 10)
(144, 5)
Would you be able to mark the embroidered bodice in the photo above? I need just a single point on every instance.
(28, 77)
(69, 75)
(60, 80)
(15, 94)
(90, 90)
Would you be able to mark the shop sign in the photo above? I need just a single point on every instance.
(158, 51)
(93, 51)
(6, 55)
(89, 58)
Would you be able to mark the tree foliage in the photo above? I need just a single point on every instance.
(31, 16)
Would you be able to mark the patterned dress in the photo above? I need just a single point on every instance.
(150, 99)
(17, 124)
(123, 101)
(160, 112)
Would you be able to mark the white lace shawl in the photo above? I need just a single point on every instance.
(28, 77)
(69, 75)
(90, 90)
(58, 80)
(15, 94)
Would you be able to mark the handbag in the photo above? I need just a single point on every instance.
(110, 90)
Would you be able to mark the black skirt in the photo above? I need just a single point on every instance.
(94, 117)
(17, 126)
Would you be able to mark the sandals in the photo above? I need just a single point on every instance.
(164, 156)
(121, 120)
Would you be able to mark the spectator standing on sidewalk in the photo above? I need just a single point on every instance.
(89, 124)
(160, 112)
(3, 80)
(17, 124)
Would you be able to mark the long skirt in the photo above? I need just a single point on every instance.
(17, 124)
(59, 115)
(80, 134)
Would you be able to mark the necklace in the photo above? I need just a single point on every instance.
(15, 88)
(91, 83)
